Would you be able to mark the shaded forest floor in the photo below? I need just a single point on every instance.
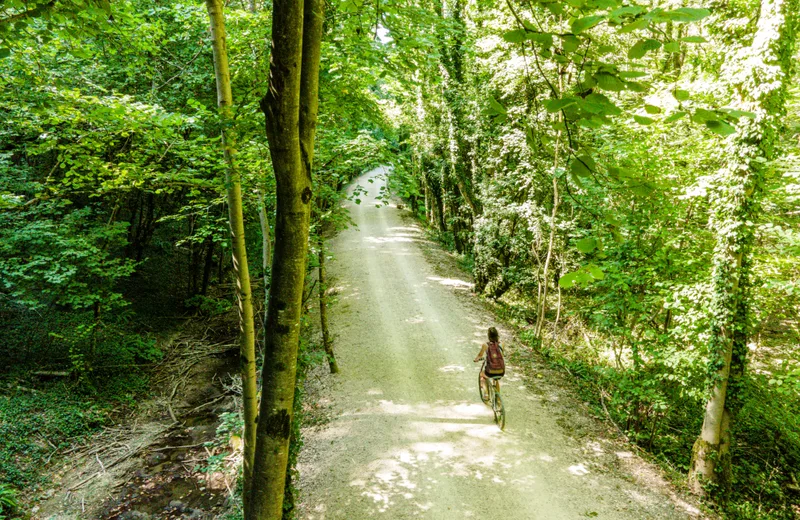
(163, 459)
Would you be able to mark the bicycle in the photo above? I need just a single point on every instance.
(490, 395)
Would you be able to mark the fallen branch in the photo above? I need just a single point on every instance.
(52, 373)
(166, 448)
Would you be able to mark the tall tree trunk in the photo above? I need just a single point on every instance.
(327, 342)
(290, 107)
(760, 78)
(247, 354)
(234, 191)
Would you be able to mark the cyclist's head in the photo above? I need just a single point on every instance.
(493, 335)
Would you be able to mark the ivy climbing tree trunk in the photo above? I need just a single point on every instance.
(234, 192)
(759, 83)
(290, 108)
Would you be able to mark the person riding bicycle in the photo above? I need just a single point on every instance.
(495, 364)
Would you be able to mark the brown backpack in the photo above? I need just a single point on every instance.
(495, 364)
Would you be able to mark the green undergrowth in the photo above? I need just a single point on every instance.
(68, 375)
(35, 425)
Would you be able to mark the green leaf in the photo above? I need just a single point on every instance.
(515, 36)
(554, 105)
(607, 107)
(720, 127)
(582, 24)
(693, 39)
(632, 10)
(545, 39)
(672, 47)
(642, 120)
(681, 95)
(674, 117)
(632, 74)
(636, 86)
(643, 190)
(570, 43)
(529, 138)
(496, 107)
(741, 113)
(586, 245)
(596, 272)
(581, 168)
(641, 47)
(4, 53)
(641, 23)
(701, 115)
(608, 81)
(650, 109)
(568, 280)
(686, 14)
(590, 122)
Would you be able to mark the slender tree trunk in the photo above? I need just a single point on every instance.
(542, 304)
(266, 240)
(327, 342)
(290, 107)
(760, 77)
(209, 264)
(233, 182)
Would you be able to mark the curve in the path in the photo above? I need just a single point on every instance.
(409, 437)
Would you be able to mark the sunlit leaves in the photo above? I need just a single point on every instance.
(680, 95)
(582, 166)
(720, 127)
(496, 110)
(639, 24)
(686, 14)
(586, 245)
(515, 36)
(583, 277)
(583, 24)
(641, 48)
(555, 105)
(675, 116)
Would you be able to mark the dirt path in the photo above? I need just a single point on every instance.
(409, 438)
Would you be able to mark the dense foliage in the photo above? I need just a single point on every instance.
(615, 174)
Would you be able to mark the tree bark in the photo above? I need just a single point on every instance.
(327, 342)
(760, 79)
(234, 193)
(290, 107)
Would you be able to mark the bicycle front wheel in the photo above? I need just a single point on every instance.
(483, 389)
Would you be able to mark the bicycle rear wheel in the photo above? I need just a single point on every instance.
(499, 411)
(483, 389)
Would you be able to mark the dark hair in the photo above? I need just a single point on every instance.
(493, 335)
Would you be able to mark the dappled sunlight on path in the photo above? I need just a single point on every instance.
(410, 437)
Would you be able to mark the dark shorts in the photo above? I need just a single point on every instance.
(487, 374)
